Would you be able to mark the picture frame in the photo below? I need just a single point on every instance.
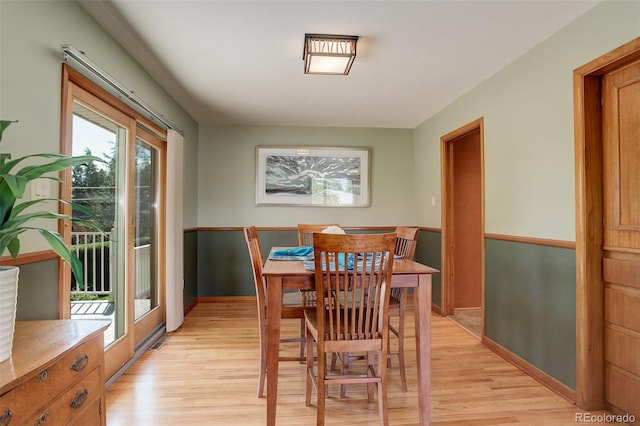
(312, 176)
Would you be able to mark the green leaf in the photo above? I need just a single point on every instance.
(7, 200)
(18, 221)
(19, 208)
(58, 245)
(60, 162)
(9, 241)
(3, 125)
(14, 247)
(17, 184)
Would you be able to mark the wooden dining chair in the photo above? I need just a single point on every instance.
(357, 270)
(406, 242)
(293, 305)
(306, 231)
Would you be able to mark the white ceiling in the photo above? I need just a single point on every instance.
(240, 62)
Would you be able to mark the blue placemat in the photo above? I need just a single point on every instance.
(293, 253)
(359, 263)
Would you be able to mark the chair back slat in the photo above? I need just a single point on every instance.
(306, 231)
(406, 242)
(257, 262)
(356, 270)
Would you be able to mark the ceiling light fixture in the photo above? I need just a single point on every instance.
(329, 54)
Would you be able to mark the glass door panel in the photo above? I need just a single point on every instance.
(100, 187)
(147, 234)
(99, 129)
(146, 240)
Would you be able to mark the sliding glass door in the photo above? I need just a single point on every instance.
(123, 280)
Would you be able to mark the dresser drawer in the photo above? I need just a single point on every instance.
(79, 400)
(26, 399)
(92, 416)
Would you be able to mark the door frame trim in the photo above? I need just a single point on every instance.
(587, 95)
(446, 179)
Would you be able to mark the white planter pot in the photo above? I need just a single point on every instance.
(8, 303)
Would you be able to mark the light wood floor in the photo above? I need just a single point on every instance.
(469, 318)
(206, 374)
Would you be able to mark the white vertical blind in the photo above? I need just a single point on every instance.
(174, 232)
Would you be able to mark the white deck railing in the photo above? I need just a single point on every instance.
(143, 271)
(94, 251)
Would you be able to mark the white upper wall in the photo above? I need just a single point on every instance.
(528, 122)
(31, 33)
(226, 176)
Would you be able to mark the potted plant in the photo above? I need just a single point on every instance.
(16, 217)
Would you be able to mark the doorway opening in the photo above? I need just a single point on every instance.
(462, 161)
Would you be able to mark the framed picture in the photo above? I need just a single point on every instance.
(312, 176)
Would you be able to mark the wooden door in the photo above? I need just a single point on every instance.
(621, 238)
(467, 226)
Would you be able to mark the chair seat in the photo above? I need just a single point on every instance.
(305, 299)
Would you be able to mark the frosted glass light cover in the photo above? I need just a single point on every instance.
(326, 54)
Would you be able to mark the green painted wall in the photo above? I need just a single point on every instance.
(224, 268)
(530, 304)
(190, 268)
(429, 252)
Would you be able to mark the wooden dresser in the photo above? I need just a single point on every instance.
(55, 375)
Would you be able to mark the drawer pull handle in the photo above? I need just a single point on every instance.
(43, 376)
(42, 419)
(5, 418)
(81, 397)
(81, 362)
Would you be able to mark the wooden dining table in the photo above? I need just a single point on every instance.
(283, 275)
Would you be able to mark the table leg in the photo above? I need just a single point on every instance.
(274, 312)
(422, 301)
